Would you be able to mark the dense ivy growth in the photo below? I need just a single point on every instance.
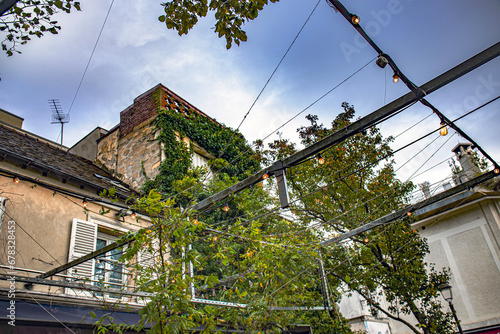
(226, 144)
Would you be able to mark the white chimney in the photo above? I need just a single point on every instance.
(463, 152)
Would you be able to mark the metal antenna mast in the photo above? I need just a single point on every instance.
(58, 116)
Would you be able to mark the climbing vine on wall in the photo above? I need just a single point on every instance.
(210, 135)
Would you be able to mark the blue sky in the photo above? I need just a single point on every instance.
(136, 52)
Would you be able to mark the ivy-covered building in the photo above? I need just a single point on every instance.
(131, 150)
(152, 138)
(53, 210)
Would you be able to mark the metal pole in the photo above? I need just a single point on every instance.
(456, 318)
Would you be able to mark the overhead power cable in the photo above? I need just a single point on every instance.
(268, 80)
(199, 185)
(281, 126)
(91, 55)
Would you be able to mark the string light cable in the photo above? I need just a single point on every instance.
(276, 209)
(469, 113)
(414, 88)
(51, 314)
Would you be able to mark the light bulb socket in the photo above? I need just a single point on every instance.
(381, 61)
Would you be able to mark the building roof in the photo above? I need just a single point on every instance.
(27, 151)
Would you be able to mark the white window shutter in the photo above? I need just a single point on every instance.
(82, 242)
(146, 260)
(2, 209)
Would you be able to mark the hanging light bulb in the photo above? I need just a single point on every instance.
(265, 176)
(408, 213)
(355, 19)
(497, 170)
(84, 203)
(321, 160)
(366, 240)
(16, 179)
(395, 78)
(225, 208)
(133, 215)
(444, 130)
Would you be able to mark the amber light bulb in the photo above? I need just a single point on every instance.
(395, 78)
(355, 19)
(444, 130)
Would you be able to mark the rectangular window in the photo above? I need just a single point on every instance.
(105, 270)
(109, 273)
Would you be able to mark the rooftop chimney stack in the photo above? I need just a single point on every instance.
(425, 187)
(464, 154)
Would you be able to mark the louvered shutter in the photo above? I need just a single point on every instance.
(82, 242)
(2, 209)
(146, 260)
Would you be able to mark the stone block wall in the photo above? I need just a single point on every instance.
(107, 151)
(137, 150)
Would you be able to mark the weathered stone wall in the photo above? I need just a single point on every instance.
(136, 151)
(107, 152)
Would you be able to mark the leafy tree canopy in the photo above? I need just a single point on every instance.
(356, 185)
(229, 15)
(249, 255)
(28, 18)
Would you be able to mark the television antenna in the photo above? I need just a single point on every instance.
(58, 116)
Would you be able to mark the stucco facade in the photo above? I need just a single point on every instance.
(466, 240)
